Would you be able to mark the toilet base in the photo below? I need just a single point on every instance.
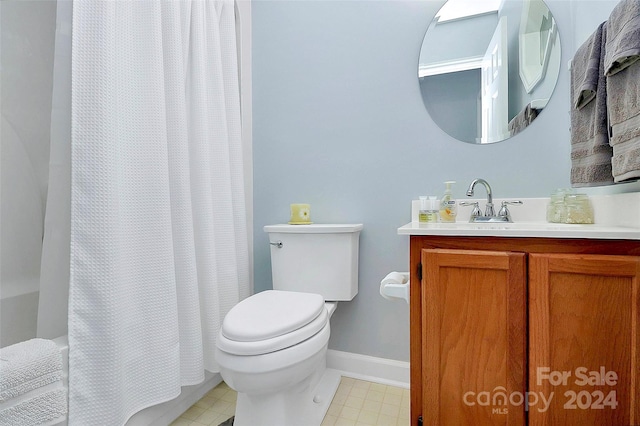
(304, 404)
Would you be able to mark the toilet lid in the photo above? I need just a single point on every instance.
(270, 321)
(270, 314)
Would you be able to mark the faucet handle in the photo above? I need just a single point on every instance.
(476, 209)
(504, 211)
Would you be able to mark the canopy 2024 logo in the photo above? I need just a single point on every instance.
(587, 399)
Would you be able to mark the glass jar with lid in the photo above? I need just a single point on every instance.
(556, 209)
(578, 209)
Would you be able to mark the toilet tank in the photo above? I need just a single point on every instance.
(315, 258)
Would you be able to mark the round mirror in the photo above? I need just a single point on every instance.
(487, 68)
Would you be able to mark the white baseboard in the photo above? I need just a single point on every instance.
(364, 367)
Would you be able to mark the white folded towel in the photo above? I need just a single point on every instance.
(28, 365)
(43, 409)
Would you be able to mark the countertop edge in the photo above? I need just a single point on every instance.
(528, 230)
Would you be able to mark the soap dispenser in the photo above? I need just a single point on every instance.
(448, 207)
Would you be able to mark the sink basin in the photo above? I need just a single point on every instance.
(521, 229)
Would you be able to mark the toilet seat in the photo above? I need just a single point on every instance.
(270, 321)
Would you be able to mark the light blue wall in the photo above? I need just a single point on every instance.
(339, 123)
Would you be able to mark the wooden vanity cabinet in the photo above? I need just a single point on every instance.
(496, 321)
(474, 333)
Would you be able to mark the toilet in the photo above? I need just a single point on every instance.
(272, 346)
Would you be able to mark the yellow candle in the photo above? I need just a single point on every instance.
(300, 213)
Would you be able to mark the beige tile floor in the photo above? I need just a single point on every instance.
(356, 403)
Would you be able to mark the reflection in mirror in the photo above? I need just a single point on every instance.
(487, 68)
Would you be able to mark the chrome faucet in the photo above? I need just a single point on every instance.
(488, 210)
(489, 213)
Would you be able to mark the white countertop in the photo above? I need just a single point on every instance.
(617, 217)
(521, 229)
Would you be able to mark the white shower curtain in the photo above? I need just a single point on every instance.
(158, 225)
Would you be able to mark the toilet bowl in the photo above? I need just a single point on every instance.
(272, 346)
(277, 363)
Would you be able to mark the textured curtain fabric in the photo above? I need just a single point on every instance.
(158, 225)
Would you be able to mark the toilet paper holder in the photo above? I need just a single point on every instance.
(395, 286)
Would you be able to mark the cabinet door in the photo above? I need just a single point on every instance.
(584, 336)
(474, 343)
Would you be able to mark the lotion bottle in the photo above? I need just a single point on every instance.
(428, 209)
(422, 213)
(448, 207)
